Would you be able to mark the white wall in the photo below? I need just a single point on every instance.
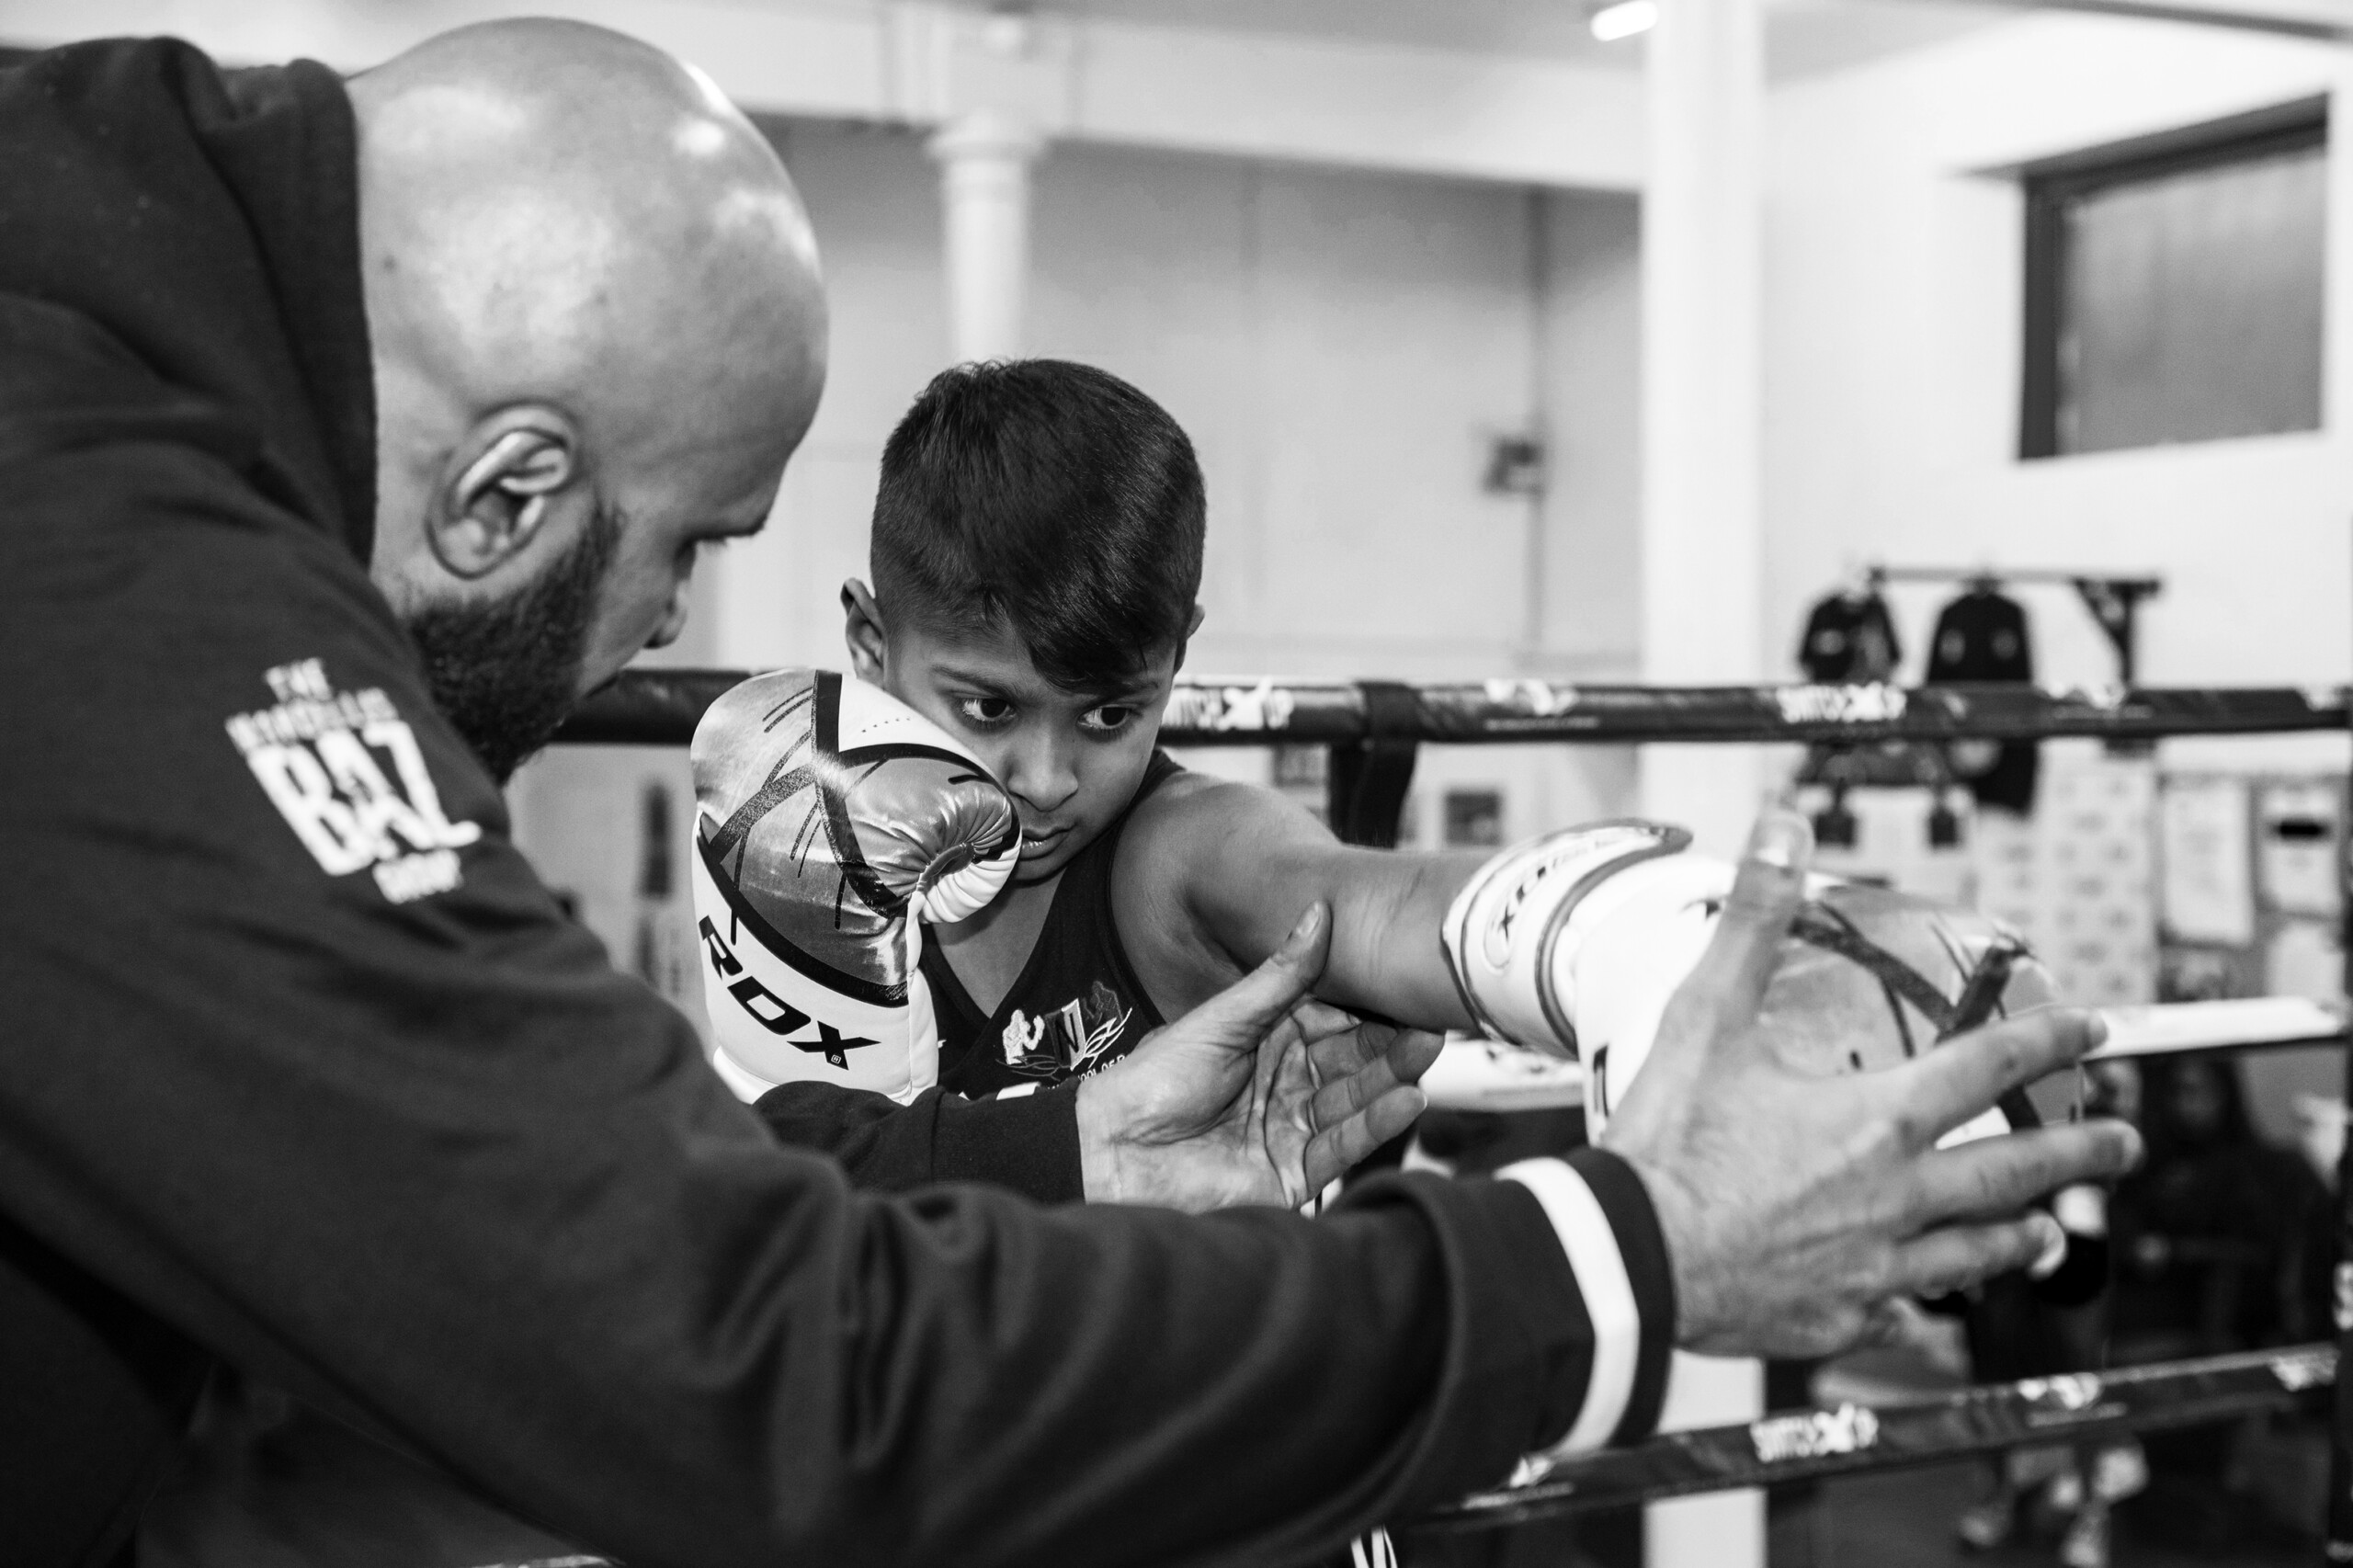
(1893, 277)
(1893, 280)
(1341, 347)
(1591, 348)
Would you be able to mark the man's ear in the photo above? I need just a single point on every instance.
(864, 633)
(499, 487)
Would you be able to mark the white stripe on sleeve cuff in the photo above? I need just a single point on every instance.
(1592, 1249)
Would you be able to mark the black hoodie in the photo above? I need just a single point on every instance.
(306, 1068)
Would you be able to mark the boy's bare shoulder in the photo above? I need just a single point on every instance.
(1194, 812)
(1196, 850)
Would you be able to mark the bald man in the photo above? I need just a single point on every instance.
(539, 208)
(345, 437)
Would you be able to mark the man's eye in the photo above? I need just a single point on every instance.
(984, 712)
(1110, 716)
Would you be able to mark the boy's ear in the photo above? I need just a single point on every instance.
(863, 632)
(1185, 642)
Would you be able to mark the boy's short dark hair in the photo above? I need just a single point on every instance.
(1048, 499)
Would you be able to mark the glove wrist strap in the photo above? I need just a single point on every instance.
(1504, 929)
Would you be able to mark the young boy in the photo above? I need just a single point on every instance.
(1037, 550)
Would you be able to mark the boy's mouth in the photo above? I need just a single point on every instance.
(1035, 843)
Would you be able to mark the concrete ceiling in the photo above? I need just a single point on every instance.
(1803, 36)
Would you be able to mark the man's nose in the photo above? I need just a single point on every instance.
(1042, 775)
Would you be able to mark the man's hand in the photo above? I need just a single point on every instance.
(1260, 1095)
(1796, 1208)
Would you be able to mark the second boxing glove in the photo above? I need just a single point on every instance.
(831, 822)
(1574, 943)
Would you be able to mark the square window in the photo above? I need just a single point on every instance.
(2175, 286)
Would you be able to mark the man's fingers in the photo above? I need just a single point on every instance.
(1328, 1034)
(1340, 1098)
(1719, 999)
(1961, 1078)
(1341, 1094)
(1410, 1052)
(1286, 1035)
(1337, 1150)
(2000, 1176)
(1319, 1021)
(1283, 1088)
(1765, 893)
(1344, 1054)
(1246, 1011)
(1961, 1255)
(1413, 1054)
(1390, 1116)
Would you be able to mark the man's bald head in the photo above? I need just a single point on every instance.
(599, 332)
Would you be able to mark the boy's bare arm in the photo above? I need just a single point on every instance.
(1211, 875)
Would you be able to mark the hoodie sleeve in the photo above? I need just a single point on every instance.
(305, 1061)
(1025, 1143)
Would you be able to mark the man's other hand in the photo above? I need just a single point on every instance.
(1796, 1208)
(1260, 1095)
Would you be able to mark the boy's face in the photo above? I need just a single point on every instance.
(1071, 760)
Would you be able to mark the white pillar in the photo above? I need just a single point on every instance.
(985, 160)
(1715, 1529)
(1702, 276)
(1702, 578)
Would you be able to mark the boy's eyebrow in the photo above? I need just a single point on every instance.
(1114, 692)
(1132, 689)
(972, 677)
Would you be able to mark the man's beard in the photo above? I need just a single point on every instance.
(507, 672)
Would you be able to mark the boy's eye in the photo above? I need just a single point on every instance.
(1110, 716)
(984, 712)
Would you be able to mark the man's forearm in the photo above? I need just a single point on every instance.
(1027, 1143)
(826, 1375)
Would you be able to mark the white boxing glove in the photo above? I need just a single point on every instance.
(1572, 943)
(830, 821)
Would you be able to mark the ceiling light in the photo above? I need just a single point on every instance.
(1625, 19)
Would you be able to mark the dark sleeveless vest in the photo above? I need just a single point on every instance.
(1077, 1004)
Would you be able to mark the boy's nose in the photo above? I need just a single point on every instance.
(1042, 777)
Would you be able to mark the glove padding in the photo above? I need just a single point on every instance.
(1572, 943)
(831, 822)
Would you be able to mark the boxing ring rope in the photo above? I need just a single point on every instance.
(660, 706)
(1372, 730)
(1803, 1445)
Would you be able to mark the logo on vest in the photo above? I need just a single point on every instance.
(321, 757)
(1068, 1041)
